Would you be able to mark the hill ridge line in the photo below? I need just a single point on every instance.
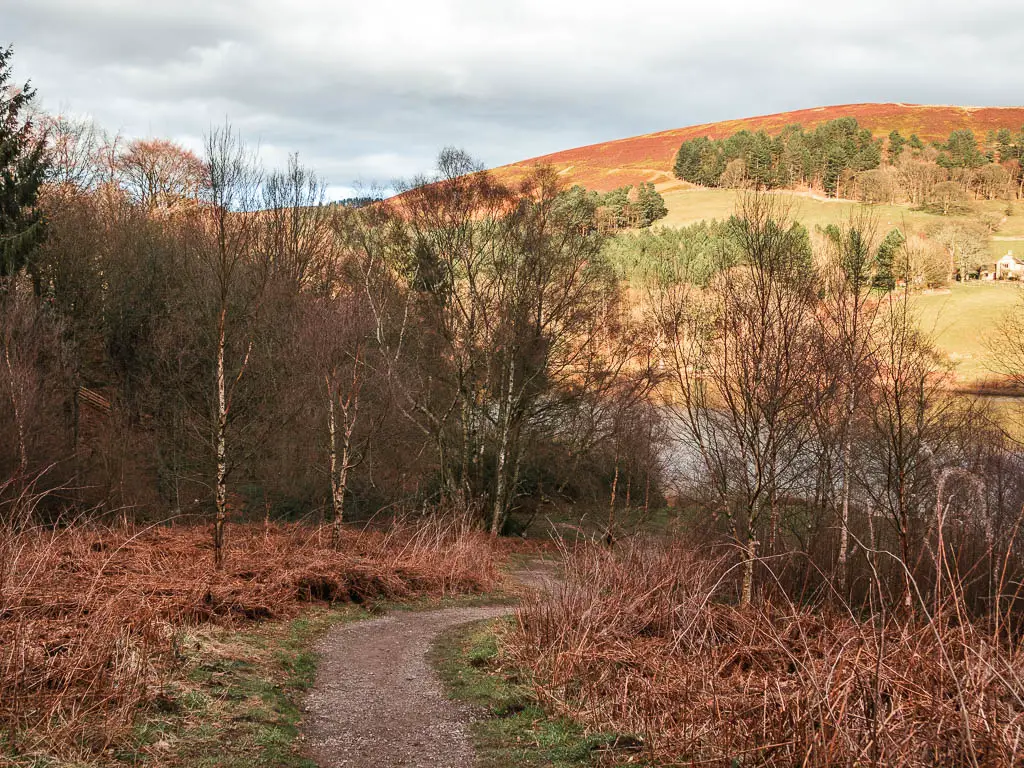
(649, 157)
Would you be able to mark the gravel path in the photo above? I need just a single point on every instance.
(377, 703)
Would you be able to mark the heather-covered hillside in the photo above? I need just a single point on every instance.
(649, 157)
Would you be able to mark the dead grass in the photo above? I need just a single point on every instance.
(91, 618)
(641, 640)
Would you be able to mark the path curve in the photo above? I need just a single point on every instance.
(377, 702)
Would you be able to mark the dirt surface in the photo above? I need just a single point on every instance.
(377, 702)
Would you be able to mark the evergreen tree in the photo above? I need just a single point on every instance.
(915, 142)
(22, 170)
(1004, 143)
(793, 157)
(1010, 145)
(760, 160)
(961, 151)
(885, 259)
(617, 203)
(896, 142)
(651, 204)
(835, 162)
(688, 158)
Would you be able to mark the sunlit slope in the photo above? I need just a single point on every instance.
(965, 322)
(650, 157)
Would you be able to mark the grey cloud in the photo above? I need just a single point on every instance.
(370, 91)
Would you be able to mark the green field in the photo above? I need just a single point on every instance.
(962, 321)
(687, 206)
(1000, 245)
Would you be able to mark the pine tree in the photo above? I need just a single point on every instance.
(688, 159)
(651, 203)
(617, 203)
(836, 161)
(896, 142)
(760, 161)
(963, 151)
(885, 258)
(22, 171)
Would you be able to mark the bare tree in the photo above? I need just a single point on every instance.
(918, 178)
(519, 316)
(232, 195)
(908, 422)
(75, 152)
(449, 224)
(966, 244)
(341, 344)
(159, 173)
(847, 319)
(741, 365)
(554, 327)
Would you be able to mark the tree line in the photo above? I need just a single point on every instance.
(840, 159)
(622, 207)
(193, 335)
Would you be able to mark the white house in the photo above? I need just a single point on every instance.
(1009, 268)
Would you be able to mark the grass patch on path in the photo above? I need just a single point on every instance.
(236, 702)
(513, 729)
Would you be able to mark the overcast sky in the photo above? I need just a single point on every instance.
(369, 91)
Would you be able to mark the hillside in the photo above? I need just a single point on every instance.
(649, 157)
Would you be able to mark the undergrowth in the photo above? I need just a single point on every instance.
(96, 623)
(644, 639)
(513, 729)
(236, 703)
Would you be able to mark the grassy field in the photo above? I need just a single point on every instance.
(688, 206)
(963, 319)
(999, 247)
(960, 320)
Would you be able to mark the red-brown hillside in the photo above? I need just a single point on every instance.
(650, 157)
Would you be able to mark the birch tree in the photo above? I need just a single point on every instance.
(554, 325)
(450, 223)
(520, 318)
(909, 420)
(238, 280)
(741, 353)
(847, 319)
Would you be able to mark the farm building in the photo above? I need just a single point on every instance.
(1007, 268)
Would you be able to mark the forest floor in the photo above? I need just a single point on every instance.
(125, 646)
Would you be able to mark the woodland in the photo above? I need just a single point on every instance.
(793, 542)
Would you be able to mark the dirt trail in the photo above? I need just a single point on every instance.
(377, 702)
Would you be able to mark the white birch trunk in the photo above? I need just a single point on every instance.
(342, 484)
(844, 528)
(222, 464)
(332, 449)
(748, 570)
(500, 489)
